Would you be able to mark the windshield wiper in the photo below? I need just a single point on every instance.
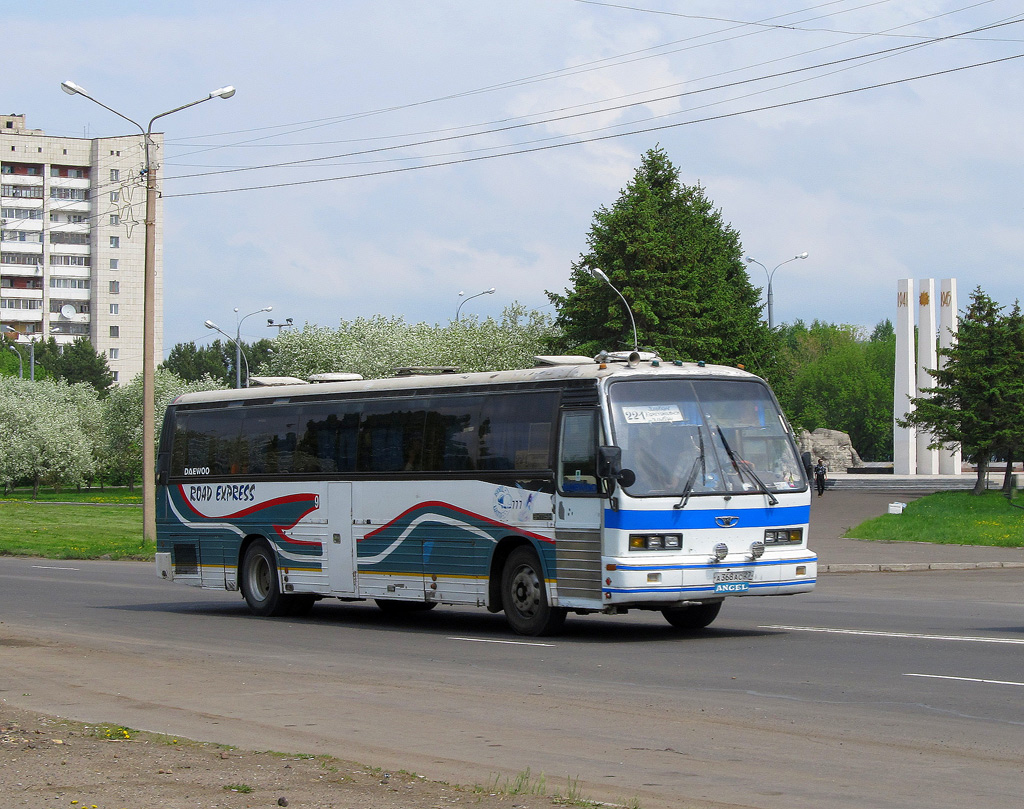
(698, 462)
(742, 466)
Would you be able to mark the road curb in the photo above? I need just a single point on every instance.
(914, 567)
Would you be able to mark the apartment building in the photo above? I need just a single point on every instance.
(73, 242)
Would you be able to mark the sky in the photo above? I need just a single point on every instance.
(382, 156)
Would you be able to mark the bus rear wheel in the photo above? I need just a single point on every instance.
(524, 596)
(696, 616)
(259, 582)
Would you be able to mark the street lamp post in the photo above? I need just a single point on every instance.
(771, 275)
(286, 325)
(21, 362)
(478, 294)
(237, 340)
(597, 273)
(149, 305)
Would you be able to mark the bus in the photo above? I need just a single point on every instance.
(582, 485)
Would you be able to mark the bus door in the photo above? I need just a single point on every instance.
(341, 562)
(578, 510)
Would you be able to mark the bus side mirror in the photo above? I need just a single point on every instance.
(610, 466)
(162, 460)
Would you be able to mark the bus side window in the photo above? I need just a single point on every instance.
(577, 460)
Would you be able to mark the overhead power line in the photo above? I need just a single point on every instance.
(580, 141)
(585, 67)
(885, 53)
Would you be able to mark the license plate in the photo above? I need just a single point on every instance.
(732, 575)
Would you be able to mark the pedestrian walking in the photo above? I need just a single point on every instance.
(820, 476)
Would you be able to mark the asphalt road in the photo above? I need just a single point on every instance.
(882, 690)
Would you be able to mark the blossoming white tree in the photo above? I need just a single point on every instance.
(376, 346)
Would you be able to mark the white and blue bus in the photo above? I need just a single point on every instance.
(584, 486)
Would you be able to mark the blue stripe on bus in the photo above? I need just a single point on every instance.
(718, 565)
(702, 588)
(679, 519)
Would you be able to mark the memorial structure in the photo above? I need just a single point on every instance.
(936, 328)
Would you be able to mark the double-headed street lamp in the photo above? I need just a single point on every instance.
(237, 340)
(771, 275)
(149, 305)
(478, 294)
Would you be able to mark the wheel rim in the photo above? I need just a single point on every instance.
(526, 589)
(259, 577)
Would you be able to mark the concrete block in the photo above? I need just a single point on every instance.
(907, 567)
(850, 568)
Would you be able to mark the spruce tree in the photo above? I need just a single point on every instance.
(978, 397)
(666, 248)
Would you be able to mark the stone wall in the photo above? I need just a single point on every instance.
(832, 445)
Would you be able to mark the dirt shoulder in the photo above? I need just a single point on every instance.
(48, 762)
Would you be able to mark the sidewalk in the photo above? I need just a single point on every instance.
(843, 507)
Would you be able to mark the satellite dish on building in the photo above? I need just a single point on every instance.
(68, 311)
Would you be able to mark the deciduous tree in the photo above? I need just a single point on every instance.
(375, 347)
(122, 420)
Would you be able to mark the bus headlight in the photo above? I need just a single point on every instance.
(783, 536)
(655, 542)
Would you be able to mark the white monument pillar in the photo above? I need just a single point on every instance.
(949, 460)
(927, 358)
(905, 387)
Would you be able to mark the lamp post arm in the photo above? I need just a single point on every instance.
(136, 124)
(238, 352)
(238, 345)
(598, 273)
(21, 362)
(478, 294)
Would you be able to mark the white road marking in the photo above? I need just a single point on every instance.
(508, 642)
(965, 679)
(915, 635)
(45, 567)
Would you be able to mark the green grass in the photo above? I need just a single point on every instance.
(72, 531)
(110, 494)
(950, 518)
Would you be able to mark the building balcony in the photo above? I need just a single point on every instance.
(13, 316)
(22, 179)
(22, 293)
(70, 182)
(10, 246)
(22, 270)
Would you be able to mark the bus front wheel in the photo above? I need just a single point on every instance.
(524, 597)
(259, 582)
(696, 616)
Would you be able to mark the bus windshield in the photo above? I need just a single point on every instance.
(683, 437)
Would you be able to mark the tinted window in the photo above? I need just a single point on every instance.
(515, 431)
(459, 433)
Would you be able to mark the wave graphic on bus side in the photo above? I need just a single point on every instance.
(431, 522)
(276, 516)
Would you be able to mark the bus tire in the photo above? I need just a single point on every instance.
(259, 582)
(398, 607)
(300, 605)
(694, 617)
(524, 596)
